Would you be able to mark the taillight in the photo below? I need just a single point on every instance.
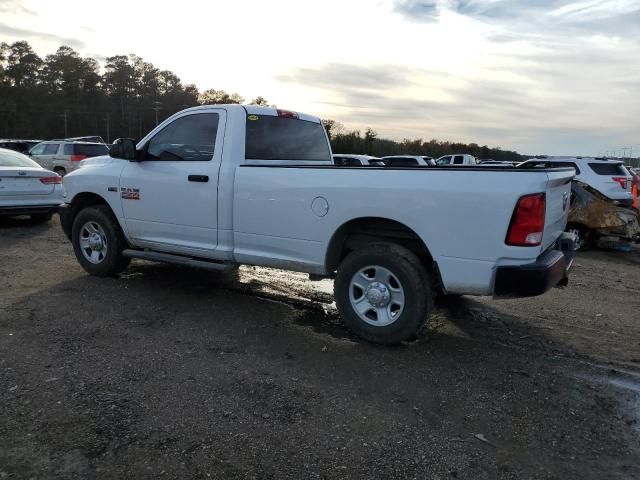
(527, 222)
(51, 180)
(622, 181)
(77, 158)
(287, 114)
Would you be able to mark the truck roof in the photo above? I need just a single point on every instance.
(258, 110)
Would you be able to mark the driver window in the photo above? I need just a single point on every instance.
(191, 137)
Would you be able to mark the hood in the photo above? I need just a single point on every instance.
(102, 160)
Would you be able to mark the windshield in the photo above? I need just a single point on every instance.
(9, 158)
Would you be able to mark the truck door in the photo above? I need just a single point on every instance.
(169, 197)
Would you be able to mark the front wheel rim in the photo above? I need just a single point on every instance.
(93, 242)
(376, 296)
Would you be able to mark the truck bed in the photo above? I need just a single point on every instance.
(461, 213)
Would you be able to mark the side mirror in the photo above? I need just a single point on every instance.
(124, 148)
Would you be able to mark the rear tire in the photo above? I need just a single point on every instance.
(98, 242)
(383, 293)
(41, 217)
(60, 171)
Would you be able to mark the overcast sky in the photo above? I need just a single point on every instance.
(539, 76)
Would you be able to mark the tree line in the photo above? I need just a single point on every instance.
(66, 95)
(368, 143)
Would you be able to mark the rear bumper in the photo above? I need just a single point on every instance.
(549, 270)
(27, 210)
(66, 220)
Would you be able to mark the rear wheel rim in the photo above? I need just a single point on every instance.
(93, 242)
(376, 295)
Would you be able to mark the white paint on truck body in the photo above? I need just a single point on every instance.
(259, 211)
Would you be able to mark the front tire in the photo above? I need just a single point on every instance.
(98, 242)
(383, 293)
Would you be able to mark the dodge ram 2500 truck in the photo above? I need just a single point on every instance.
(222, 185)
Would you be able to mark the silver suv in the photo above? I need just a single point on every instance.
(63, 156)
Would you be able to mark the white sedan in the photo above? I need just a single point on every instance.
(26, 188)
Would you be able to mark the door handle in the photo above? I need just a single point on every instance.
(198, 178)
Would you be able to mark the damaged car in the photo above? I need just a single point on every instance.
(600, 222)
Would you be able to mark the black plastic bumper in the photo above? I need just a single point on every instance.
(549, 270)
(28, 210)
(66, 220)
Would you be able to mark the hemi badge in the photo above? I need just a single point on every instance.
(112, 189)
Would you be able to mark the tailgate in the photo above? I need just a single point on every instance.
(557, 205)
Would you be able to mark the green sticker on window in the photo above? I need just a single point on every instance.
(253, 117)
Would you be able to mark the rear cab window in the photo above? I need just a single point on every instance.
(282, 138)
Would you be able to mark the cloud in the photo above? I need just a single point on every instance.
(24, 34)
(14, 7)
(376, 94)
(351, 76)
(557, 110)
(417, 10)
(562, 17)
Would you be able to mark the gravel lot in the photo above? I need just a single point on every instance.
(175, 373)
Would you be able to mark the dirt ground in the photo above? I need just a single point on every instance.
(174, 373)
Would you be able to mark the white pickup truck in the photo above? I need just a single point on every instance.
(222, 185)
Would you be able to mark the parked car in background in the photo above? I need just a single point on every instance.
(26, 188)
(599, 221)
(64, 156)
(498, 163)
(408, 161)
(22, 146)
(456, 160)
(91, 139)
(609, 177)
(351, 160)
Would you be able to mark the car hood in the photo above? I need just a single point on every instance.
(102, 160)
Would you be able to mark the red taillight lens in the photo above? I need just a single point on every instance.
(527, 222)
(77, 158)
(622, 181)
(51, 180)
(287, 114)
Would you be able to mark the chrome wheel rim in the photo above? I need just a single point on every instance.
(376, 295)
(93, 242)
